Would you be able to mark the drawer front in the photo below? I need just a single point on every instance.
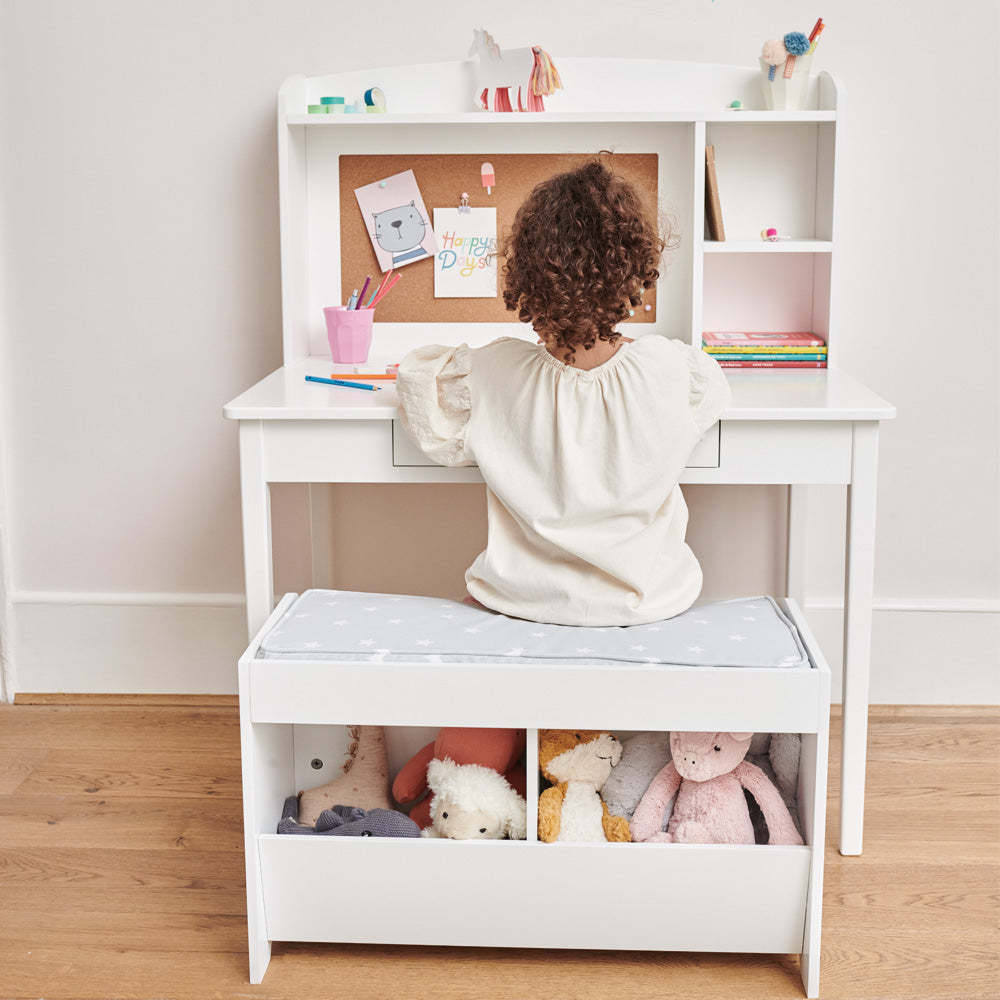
(648, 896)
(405, 454)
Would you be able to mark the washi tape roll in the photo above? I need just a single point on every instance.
(331, 100)
(319, 109)
(374, 98)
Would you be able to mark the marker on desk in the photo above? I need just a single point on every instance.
(345, 384)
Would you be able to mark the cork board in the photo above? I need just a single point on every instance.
(442, 179)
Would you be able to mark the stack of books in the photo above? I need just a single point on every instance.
(766, 350)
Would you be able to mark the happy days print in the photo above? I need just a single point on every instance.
(465, 265)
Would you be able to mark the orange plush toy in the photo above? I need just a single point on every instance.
(501, 750)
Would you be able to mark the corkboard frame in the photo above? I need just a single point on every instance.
(442, 178)
(312, 258)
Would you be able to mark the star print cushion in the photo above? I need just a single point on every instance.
(344, 626)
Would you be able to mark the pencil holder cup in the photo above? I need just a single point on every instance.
(349, 332)
(786, 95)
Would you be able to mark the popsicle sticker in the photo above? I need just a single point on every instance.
(489, 177)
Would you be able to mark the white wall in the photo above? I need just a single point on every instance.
(140, 253)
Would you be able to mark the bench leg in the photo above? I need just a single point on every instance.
(858, 597)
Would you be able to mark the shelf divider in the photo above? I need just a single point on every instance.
(531, 788)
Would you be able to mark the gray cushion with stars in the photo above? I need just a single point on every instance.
(349, 627)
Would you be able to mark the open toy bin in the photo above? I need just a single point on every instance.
(667, 897)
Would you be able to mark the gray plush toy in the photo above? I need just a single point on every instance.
(643, 757)
(777, 755)
(348, 821)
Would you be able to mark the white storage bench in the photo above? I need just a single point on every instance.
(300, 677)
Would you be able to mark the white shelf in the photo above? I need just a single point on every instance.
(565, 117)
(765, 246)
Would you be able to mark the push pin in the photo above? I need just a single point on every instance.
(463, 204)
(736, 105)
(770, 234)
(647, 307)
(381, 184)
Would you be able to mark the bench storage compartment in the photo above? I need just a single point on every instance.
(668, 897)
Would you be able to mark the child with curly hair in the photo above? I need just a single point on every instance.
(582, 437)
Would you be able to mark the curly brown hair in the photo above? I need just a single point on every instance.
(582, 250)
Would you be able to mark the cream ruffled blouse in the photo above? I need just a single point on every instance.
(586, 518)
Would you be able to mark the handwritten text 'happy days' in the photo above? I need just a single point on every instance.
(466, 253)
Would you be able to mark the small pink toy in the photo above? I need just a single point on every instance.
(774, 54)
(770, 234)
(708, 775)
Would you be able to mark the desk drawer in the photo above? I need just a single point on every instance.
(406, 454)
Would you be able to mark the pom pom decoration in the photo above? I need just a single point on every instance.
(796, 44)
(774, 54)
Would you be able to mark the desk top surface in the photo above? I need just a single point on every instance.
(757, 395)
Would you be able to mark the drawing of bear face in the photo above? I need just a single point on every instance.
(399, 229)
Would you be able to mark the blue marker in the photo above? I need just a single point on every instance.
(347, 385)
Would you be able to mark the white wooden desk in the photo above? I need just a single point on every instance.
(795, 428)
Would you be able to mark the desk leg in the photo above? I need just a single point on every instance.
(256, 496)
(795, 559)
(858, 596)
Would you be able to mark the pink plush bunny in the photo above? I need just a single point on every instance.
(710, 773)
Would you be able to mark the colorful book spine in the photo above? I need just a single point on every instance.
(762, 349)
(772, 364)
(768, 357)
(737, 339)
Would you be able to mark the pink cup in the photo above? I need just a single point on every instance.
(349, 332)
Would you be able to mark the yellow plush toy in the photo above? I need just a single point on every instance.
(577, 762)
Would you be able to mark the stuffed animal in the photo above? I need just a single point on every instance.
(643, 757)
(500, 750)
(777, 755)
(472, 802)
(577, 763)
(363, 781)
(348, 821)
(708, 775)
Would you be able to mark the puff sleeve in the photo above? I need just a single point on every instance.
(709, 391)
(435, 400)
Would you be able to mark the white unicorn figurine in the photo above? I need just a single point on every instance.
(499, 71)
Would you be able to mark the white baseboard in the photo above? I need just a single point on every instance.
(923, 652)
(127, 643)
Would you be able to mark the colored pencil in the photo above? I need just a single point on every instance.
(817, 27)
(346, 385)
(385, 291)
(381, 285)
(364, 288)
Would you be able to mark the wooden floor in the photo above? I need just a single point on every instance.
(121, 875)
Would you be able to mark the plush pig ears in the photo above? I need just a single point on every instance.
(741, 737)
